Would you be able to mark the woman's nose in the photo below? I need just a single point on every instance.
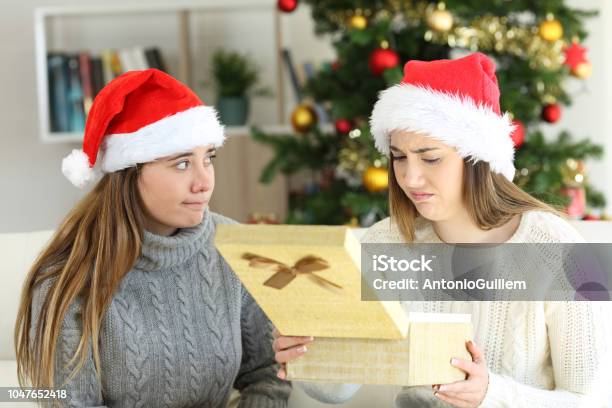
(203, 179)
(414, 175)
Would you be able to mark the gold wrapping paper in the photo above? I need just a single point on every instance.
(304, 307)
(423, 358)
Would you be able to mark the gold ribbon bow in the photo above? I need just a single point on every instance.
(285, 274)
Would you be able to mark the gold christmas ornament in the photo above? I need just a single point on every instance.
(358, 22)
(582, 70)
(551, 30)
(375, 179)
(303, 118)
(440, 19)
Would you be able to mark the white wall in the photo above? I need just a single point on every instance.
(35, 195)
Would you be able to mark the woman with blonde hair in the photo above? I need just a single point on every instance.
(130, 304)
(450, 181)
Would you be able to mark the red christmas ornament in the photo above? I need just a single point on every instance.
(382, 59)
(551, 113)
(287, 5)
(518, 135)
(574, 55)
(343, 126)
(335, 65)
(590, 217)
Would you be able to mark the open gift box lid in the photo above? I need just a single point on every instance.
(307, 280)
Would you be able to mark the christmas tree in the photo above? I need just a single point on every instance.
(536, 47)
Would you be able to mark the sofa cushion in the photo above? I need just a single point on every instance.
(17, 253)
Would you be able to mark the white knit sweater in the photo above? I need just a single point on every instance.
(539, 354)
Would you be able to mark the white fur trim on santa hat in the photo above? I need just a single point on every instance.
(76, 168)
(476, 131)
(174, 134)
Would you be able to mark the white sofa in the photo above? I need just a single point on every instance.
(17, 253)
(19, 250)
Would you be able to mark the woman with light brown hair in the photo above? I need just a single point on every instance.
(130, 304)
(450, 181)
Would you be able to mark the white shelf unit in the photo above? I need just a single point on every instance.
(185, 62)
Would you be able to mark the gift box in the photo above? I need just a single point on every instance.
(307, 280)
(422, 358)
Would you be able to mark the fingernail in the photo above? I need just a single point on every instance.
(470, 342)
(280, 375)
(309, 338)
(454, 361)
(435, 393)
(303, 349)
(441, 388)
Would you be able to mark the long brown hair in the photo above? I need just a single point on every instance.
(490, 199)
(94, 247)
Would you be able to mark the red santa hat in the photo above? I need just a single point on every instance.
(454, 101)
(138, 117)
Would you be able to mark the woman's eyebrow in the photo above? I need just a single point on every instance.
(424, 149)
(188, 154)
(421, 150)
(179, 156)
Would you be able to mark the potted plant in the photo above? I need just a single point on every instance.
(235, 77)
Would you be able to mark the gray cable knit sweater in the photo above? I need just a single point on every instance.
(180, 332)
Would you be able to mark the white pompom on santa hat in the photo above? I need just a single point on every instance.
(454, 101)
(138, 117)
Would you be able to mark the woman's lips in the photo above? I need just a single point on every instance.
(419, 196)
(195, 205)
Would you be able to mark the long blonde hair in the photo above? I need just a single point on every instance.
(490, 198)
(92, 250)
